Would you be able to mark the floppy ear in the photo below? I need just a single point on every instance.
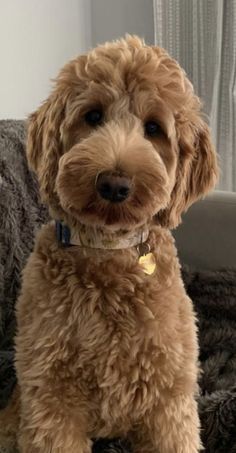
(196, 175)
(44, 145)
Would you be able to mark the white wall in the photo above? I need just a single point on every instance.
(36, 38)
(113, 18)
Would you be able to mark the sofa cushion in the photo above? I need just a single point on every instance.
(206, 239)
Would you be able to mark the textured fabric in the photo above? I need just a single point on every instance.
(201, 35)
(213, 293)
(20, 215)
(214, 297)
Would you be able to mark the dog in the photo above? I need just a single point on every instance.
(106, 344)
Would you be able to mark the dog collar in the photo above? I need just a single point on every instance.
(92, 238)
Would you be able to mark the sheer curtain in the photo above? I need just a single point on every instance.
(201, 35)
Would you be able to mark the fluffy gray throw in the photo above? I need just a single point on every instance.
(214, 296)
(20, 215)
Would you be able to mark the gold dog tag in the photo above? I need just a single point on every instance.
(148, 263)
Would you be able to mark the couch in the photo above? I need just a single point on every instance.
(206, 243)
(206, 239)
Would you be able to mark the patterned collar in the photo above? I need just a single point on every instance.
(92, 238)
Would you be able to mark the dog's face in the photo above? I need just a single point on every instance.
(120, 141)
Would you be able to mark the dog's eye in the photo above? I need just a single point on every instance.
(152, 129)
(94, 117)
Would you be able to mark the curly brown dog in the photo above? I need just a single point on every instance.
(106, 343)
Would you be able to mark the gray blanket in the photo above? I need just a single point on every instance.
(20, 215)
(214, 296)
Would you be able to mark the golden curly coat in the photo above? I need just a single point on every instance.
(102, 348)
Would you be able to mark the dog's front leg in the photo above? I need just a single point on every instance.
(173, 427)
(43, 430)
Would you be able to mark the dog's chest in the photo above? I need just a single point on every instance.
(110, 332)
(117, 340)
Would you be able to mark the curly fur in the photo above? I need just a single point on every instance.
(102, 349)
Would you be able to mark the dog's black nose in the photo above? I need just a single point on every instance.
(112, 187)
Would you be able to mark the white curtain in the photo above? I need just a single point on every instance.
(201, 35)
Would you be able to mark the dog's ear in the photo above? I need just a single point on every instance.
(44, 145)
(196, 174)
